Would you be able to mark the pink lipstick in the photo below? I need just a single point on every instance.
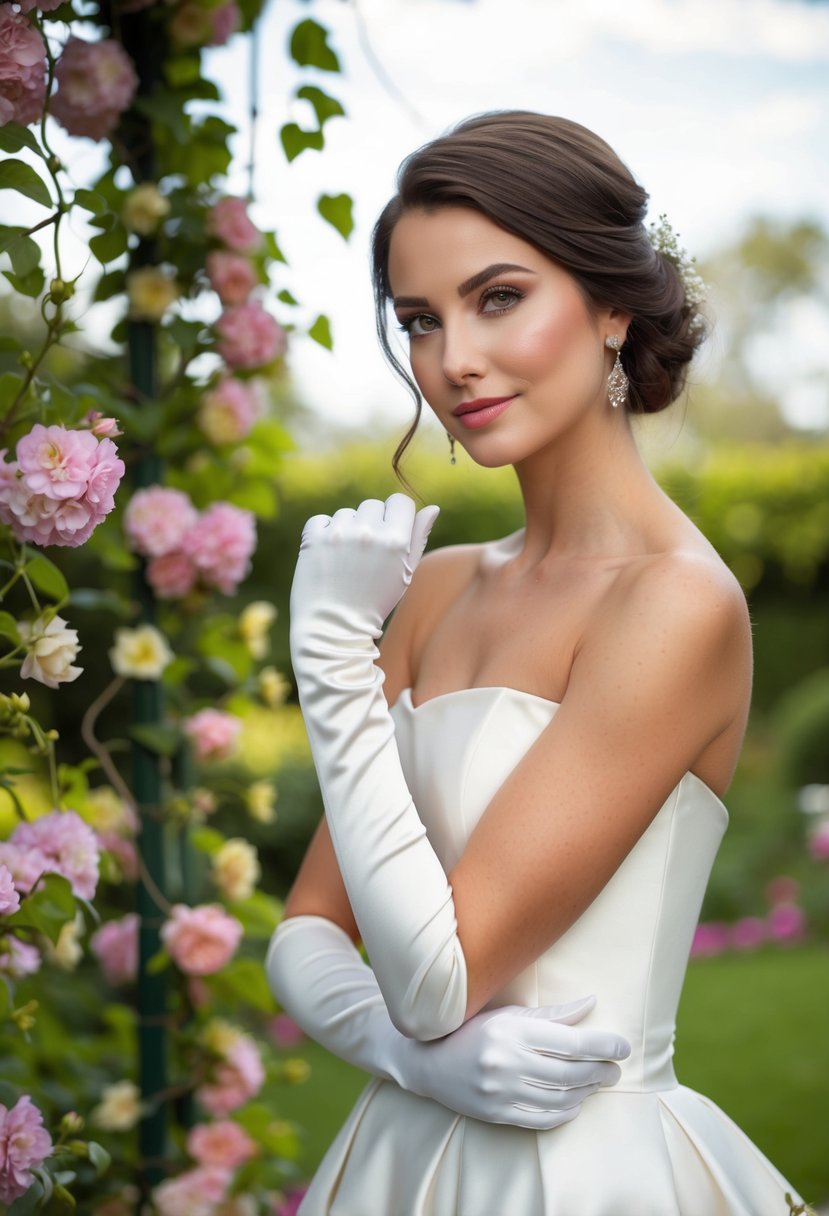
(474, 414)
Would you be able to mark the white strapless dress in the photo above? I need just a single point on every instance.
(646, 1147)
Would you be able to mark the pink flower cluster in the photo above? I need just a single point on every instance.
(232, 276)
(249, 336)
(18, 959)
(9, 896)
(223, 1143)
(784, 924)
(201, 940)
(212, 549)
(234, 1079)
(60, 843)
(24, 1145)
(96, 83)
(22, 68)
(115, 945)
(60, 487)
(196, 1192)
(228, 411)
(228, 222)
(214, 733)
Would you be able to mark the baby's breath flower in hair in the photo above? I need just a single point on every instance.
(665, 241)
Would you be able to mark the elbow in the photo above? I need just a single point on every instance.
(428, 1012)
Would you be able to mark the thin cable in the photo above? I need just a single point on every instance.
(385, 80)
(254, 106)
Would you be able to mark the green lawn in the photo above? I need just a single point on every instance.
(753, 1035)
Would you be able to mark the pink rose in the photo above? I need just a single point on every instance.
(235, 1079)
(172, 576)
(225, 21)
(195, 1193)
(782, 890)
(115, 945)
(290, 1204)
(228, 411)
(229, 222)
(156, 520)
(96, 83)
(68, 845)
(24, 1145)
(819, 842)
(787, 923)
(214, 733)
(748, 933)
(9, 897)
(710, 939)
(225, 1144)
(249, 336)
(231, 276)
(18, 959)
(57, 462)
(201, 940)
(221, 545)
(22, 69)
(284, 1031)
(24, 864)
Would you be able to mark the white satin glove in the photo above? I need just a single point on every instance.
(526, 1067)
(352, 570)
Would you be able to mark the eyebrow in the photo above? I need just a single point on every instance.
(469, 285)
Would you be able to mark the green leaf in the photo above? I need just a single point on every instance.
(260, 915)
(286, 298)
(243, 980)
(295, 140)
(207, 840)
(17, 175)
(92, 201)
(49, 907)
(309, 47)
(320, 331)
(257, 496)
(162, 740)
(111, 284)
(336, 209)
(99, 1157)
(47, 578)
(13, 137)
(272, 249)
(166, 108)
(159, 962)
(10, 386)
(8, 628)
(5, 995)
(24, 253)
(91, 599)
(107, 246)
(30, 284)
(325, 106)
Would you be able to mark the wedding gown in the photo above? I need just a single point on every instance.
(648, 1146)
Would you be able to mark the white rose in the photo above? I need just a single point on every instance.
(261, 798)
(50, 651)
(144, 209)
(140, 654)
(236, 869)
(119, 1108)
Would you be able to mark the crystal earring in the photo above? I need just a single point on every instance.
(617, 381)
(451, 439)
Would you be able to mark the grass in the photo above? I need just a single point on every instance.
(753, 1035)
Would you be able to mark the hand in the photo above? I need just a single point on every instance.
(526, 1067)
(355, 566)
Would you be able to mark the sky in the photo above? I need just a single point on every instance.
(719, 107)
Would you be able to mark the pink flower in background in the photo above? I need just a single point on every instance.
(249, 336)
(787, 923)
(9, 897)
(157, 518)
(284, 1031)
(225, 1144)
(222, 545)
(232, 276)
(236, 1078)
(201, 940)
(819, 842)
(96, 83)
(68, 845)
(290, 1204)
(115, 945)
(782, 890)
(225, 21)
(710, 939)
(24, 1145)
(18, 959)
(228, 411)
(22, 69)
(195, 1193)
(25, 865)
(214, 733)
(748, 933)
(172, 576)
(229, 222)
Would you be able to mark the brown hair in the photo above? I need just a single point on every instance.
(561, 188)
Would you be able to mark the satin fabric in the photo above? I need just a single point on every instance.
(646, 1147)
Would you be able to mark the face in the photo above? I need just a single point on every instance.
(495, 325)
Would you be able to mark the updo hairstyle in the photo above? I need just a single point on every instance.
(556, 185)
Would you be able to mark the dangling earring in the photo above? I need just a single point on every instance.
(617, 381)
(451, 439)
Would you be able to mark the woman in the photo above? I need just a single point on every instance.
(536, 816)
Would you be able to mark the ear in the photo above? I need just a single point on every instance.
(617, 322)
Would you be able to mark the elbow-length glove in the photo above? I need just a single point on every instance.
(526, 1067)
(352, 570)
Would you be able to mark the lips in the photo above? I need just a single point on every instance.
(474, 414)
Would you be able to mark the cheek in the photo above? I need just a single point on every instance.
(550, 339)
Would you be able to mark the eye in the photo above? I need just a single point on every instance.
(496, 300)
(419, 325)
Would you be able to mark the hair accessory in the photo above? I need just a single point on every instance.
(451, 439)
(665, 241)
(617, 381)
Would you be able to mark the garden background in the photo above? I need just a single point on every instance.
(149, 313)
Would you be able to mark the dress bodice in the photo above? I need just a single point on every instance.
(631, 945)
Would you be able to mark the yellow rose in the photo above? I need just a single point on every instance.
(236, 869)
(119, 1108)
(140, 654)
(254, 624)
(273, 687)
(151, 291)
(144, 209)
(261, 797)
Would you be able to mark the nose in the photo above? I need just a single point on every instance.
(463, 358)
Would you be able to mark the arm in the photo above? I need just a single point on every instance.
(645, 698)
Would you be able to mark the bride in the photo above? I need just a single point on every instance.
(522, 841)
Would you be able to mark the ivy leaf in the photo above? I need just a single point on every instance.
(309, 47)
(336, 209)
(325, 106)
(107, 246)
(22, 250)
(48, 908)
(17, 175)
(90, 200)
(13, 137)
(295, 140)
(243, 980)
(8, 628)
(272, 249)
(30, 284)
(111, 284)
(286, 298)
(320, 331)
(47, 578)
